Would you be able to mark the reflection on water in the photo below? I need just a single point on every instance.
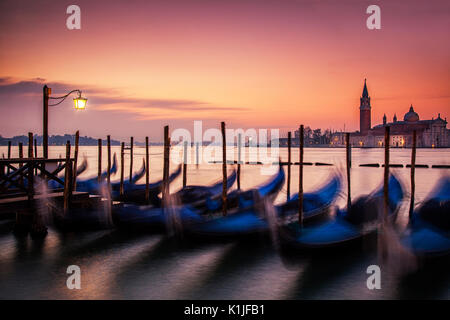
(116, 265)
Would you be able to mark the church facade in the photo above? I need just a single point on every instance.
(430, 133)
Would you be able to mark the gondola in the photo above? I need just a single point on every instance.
(428, 231)
(197, 196)
(82, 167)
(260, 219)
(315, 204)
(82, 219)
(97, 218)
(135, 193)
(127, 184)
(149, 217)
(244, 199)
(347, 226)
(92, 185)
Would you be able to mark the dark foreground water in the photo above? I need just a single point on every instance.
(115, 265)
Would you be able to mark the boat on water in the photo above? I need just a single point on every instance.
(315, 204)
(92, 185)
(262, 215)
(428, 231)
(245, 198)
(82, 167)
(198, 196)
(347, 226)
(149, 217)
(127, 184)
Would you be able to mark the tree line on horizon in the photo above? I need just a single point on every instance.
(55, 140)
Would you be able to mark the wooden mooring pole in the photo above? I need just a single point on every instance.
(99, 165)
(30, 178)
(386, 174)
(30, 145)
(108, 174)
(131, 159)
(185, 155)
(30, 168)
(9, 154)
(166, 166)
(413, 169)
(122, 167)
(36, 155)
(348, 157)
(197, 154)
(300, 180)
(68, 178)
(288, 191)
(147, 172)
(224, 169)
(75, 160)
(239, 161)
(21, 164)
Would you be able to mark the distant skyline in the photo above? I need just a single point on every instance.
(254, 64)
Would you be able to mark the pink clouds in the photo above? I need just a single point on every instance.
(253, 63)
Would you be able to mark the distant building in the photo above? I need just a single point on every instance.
(430, 133)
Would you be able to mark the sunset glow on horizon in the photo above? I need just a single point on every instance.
(260, 64)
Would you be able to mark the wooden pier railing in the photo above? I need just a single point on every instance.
(17, 176)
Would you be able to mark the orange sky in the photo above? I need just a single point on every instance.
(272, 64)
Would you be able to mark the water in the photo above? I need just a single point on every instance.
(118, 266)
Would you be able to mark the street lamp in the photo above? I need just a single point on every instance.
(79, 104)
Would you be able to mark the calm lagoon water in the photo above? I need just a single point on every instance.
(119, 266)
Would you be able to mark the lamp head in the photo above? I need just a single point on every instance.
(80, 102)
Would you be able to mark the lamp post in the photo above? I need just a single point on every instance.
(79, 104)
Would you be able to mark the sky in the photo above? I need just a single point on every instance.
(250, 63)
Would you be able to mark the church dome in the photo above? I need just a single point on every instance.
(411, 115)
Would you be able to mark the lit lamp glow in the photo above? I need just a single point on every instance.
(80, 102)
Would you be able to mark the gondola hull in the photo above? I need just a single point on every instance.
(346, 228)
(261, 217)
(428, 232)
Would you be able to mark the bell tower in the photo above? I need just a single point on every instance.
(364, 111)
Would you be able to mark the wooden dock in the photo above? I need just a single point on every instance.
(22, 202)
